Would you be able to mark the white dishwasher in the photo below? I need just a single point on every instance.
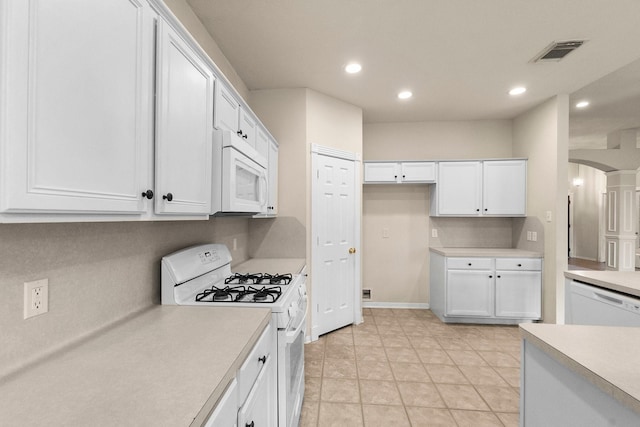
(591, 305)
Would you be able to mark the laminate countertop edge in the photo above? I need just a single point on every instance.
(485, 252)
(603, 355)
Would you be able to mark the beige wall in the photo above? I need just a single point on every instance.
(541, 134)
(98, 274)
(437, 140)
(396, 269)
(192, 23)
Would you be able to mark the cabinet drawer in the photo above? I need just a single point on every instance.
(254, 363)
(470, 263)
(518, 264)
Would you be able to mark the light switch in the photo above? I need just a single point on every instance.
(434, 232)
(534, 236)
(548, 216)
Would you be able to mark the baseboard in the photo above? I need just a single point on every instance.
(411, 305)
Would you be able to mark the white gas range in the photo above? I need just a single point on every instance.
(202, 276)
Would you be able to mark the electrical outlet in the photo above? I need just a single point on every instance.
(36, 298)
(434, 232)
(385, 233)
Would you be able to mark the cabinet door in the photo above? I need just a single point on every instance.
(248, 127)
(381, 172)
(469, 293)
(227, 111)
(504, 187)
(518, 294)
(184, 127)
(76, 106)
(418, 172)
(260, 408)
(272, 205)
(459, 188)
(226, 412)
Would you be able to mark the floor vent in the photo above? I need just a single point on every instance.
(366, 294)
(558, 50)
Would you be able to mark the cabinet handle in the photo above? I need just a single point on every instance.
(168, 197)
(519, 265)
(477, 210)
(469, 264)
(498, 277)
(485, 209)
(249, 425)
(490, 277)
(148, 194)
(263, 359)
(245, 136)
(403, 176)
(239, 132)
(395, 176)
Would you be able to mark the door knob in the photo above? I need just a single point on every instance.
(352, 250)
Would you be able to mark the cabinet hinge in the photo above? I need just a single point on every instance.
(317, 308)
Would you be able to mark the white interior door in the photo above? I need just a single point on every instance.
(336, 231)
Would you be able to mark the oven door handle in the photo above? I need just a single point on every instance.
(291, 335)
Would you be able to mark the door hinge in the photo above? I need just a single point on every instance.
(318, 173)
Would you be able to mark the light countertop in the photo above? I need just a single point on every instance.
(604, 355)
(486, 252)
(166, 366)
(627, 282)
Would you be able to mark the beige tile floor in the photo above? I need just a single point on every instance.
(406, 368)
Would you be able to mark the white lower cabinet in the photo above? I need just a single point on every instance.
(252, 398)
(226, 412)
(260, 410)
(485, 290)
(469, 293)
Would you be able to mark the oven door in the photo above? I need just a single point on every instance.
(291, 369)
(244, 186)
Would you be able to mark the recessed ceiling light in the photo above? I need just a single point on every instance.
(353, 68)
(517, 90)
(582, 104)
(405, 94)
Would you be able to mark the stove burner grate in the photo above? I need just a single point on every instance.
(214, 294)
(263, 294)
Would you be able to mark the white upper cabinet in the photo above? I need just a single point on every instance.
(232, 116)
(184, 122)
(459, 188)
(76, 106)
(504, 187)
(480, 188)
(399, 172)
(227, 111)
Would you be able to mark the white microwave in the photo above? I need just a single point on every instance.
(239, 176)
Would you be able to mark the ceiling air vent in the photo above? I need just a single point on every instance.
(558, 50)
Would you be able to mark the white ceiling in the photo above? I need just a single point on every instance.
(459, 57)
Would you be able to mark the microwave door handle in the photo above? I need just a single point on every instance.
(263, 190)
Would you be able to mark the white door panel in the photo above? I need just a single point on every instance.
(335, 219)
